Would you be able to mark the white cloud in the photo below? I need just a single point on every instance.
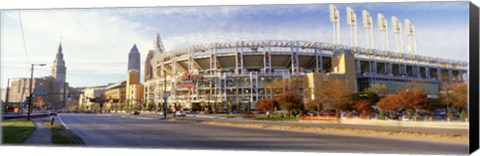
(97, 41)
(90, 37)
(436, 42)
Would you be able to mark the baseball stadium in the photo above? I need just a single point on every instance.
(238, 72)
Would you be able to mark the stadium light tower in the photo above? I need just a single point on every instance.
(383, 27)
(368, 25)
(397, 30)
(335, 19)
(352, 23)
(410, 32)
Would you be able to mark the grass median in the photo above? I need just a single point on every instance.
(16, 131)
(276, 117)
(393, 134)
(61, 136)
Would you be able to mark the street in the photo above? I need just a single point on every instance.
(110, 130)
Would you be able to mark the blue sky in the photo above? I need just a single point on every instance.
(96, 42)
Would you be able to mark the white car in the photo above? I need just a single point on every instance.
(405, 118)
(181, 113)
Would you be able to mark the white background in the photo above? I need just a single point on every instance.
(33, 4)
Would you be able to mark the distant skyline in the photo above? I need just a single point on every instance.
(96, 42)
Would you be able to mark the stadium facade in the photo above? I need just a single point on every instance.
(239, 72)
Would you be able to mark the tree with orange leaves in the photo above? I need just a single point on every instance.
(405, 100)
(266, 104)
(389, 103)
(363, 107)
(291, 102)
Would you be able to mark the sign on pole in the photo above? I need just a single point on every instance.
(40, 92)
(165, 96)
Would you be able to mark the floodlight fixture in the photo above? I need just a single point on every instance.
(368, 25)
(383, 27)
(335, 19)
(410, 32)
(352, 23)
(397, 30)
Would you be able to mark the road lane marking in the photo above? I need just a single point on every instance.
(63, 123)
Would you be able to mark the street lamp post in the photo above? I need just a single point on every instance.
(7, 95)
(447, 102)
(448, 107)
(31, 93)
(165, 95)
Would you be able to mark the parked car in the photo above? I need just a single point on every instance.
(439, 117)
(181, 113)
(282, 111)
(311, 114)
(51, 113)
(405, 118)
(191, 112)
(160, 113)
(135, 112)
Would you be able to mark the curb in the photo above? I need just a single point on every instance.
(418, 136)
(24, 116)
(70, 132)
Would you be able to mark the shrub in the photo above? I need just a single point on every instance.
(463, 115)
(381, 116)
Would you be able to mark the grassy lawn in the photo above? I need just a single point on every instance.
(60, 136)
(277, 117)
(16, 131)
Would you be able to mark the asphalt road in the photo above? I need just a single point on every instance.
(120, 131)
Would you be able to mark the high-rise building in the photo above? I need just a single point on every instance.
(134, 59)
(59, 70)
(158, 45)
(148, 66)
(49, 91)
(134, 89)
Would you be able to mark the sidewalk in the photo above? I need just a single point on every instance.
(42, 135)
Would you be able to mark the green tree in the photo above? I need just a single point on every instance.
(381, 115)
(96, 107)
(463, 115)
(144, 105)
(432, 106)
(122, 106)
(151, 106)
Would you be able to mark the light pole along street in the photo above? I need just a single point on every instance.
(31, 93)
(165, 95)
